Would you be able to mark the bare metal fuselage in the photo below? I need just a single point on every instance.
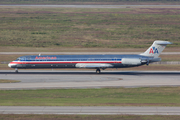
(81, 61)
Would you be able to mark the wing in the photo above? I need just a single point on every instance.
(94, 65)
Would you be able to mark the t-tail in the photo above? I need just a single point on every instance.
(156, 48)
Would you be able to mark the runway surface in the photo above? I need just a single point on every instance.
(94, 110)
(48, 79)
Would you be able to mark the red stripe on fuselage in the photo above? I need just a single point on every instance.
(65, 62)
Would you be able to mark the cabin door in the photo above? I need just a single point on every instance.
(115, 60)
(24, 62)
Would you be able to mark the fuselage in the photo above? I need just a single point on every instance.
(79, 61)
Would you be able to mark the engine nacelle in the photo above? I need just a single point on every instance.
(131, 61)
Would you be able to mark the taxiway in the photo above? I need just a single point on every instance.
(89, 110)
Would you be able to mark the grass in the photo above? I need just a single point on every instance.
(170, 57)
(9, 81)
(88, 28)
(90, 117)
(161, 96)
(91, 2)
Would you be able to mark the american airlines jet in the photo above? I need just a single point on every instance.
(97, 62)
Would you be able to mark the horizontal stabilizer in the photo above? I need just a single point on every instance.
(163, 42)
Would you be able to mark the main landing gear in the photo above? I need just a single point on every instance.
(98, 71)
(16, 70)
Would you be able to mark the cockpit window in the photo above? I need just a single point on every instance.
(18, 59)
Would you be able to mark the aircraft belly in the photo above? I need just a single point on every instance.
(78, 65)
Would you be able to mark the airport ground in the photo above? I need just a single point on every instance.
(89, 117)
(39, 27)
(168, 82)
(18, 34)
(88, 2)
(73, 88)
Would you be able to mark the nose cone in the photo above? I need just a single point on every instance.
(9, 65)
(12, 65)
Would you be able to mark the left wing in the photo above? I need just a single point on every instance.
(93, 65)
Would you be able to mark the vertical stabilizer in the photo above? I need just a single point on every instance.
(156, 48)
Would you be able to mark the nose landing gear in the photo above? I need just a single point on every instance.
(98, 71)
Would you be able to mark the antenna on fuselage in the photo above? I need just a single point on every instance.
(39, 54)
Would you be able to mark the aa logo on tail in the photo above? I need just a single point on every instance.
(153, 50)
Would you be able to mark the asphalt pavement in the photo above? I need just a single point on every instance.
(55, 79)
(89, 110)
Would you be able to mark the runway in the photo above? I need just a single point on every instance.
(87, 110)
(48, 79)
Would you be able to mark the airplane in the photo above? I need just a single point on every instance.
(97, 62)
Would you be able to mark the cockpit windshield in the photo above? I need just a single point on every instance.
(18, 59)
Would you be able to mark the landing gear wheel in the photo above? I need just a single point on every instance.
(98, 71)
(147, 62)
(16, 70)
